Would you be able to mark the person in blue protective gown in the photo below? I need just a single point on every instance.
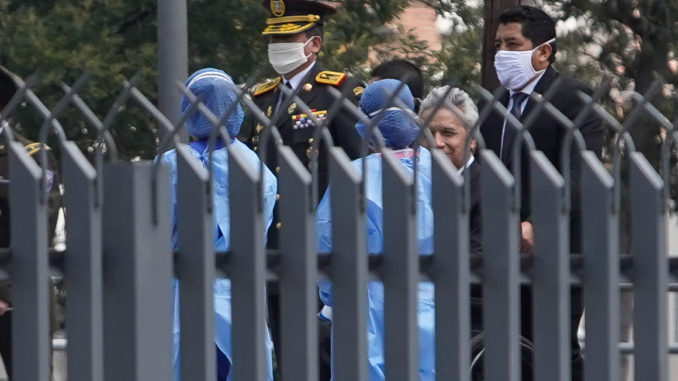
(398, 132)
(217, 92)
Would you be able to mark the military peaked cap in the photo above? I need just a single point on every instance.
(295, 16)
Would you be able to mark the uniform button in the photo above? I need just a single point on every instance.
(277, 196)
(255, 148)
(277, 169)
(278, 225)
(310, 141)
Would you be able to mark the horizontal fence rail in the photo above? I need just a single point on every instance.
(130, 295)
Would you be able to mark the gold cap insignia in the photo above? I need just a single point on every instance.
(278, 8)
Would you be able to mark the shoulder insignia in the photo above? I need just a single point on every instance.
(358, 90)
(266, 87)
(32, 148)
(333, 78)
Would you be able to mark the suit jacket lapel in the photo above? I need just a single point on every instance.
(542, 87)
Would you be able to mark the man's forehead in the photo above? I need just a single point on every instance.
(510, 30)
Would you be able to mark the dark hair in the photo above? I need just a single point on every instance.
(7, 87)
(403, 70)
(537, 26)
(316, 30)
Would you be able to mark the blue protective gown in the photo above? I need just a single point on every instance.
(222, 287)
(375, 241)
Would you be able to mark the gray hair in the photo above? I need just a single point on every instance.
(455, 99)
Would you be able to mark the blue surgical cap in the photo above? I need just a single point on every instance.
(217, 90)
(398, 130)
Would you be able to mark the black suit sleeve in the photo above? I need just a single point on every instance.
(592, 130)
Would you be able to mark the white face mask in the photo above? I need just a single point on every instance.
(514, 67)
(287, 56)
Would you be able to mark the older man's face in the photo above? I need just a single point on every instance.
(449, 135)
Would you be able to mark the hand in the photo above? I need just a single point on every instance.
(526, 237)
(4, 307)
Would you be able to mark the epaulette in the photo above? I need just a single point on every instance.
(333, 78)
(32, 148)
(266, 87)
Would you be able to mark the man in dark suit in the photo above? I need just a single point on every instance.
(295, 29)
(450, 125)
(526, 48)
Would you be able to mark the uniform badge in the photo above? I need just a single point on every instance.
(278, 8)
(302, 121)
(292, 107)
(358, 90)
(269, 111)
(308, 87)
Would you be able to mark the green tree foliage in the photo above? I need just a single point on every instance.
(113, 40)
(61, 39)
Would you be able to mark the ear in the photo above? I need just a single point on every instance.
(315, 44)
(545, 52)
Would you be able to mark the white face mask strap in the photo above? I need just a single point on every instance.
(545, 43)
(309, 40)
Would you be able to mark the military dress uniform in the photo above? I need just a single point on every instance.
(297, 129)
(287, 20)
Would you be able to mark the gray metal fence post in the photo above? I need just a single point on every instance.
(650, 265)
(30, 268)
(83, 267)
(451, 273)
(349, 271)
(137, 274)
(551, 273)
(298, 271)
(501, 271)
(400, 272)
(248, 272)
(172, 56)
(195, 269)
(600, 243)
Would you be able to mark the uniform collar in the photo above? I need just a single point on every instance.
(295, 81)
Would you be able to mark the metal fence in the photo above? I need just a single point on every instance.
(118, 264)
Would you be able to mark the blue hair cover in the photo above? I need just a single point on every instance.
(398, 130)
(218, 93)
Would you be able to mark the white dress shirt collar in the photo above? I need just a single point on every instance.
(295, 81)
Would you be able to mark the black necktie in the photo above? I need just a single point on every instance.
(509, 130)
(283, 96)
